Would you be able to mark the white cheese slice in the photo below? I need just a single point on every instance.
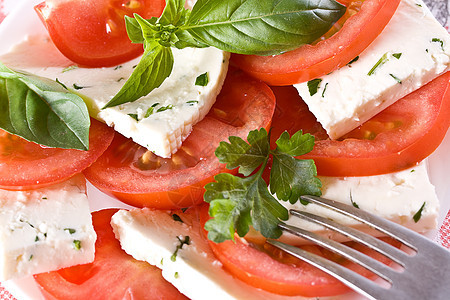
(396, 196)
(45, 229)
(154, 236)
(416, 49)
(160, 121)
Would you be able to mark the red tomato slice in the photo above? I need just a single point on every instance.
(312, 61)
(138, 177)
(268, 268)
(26, 165)
(92, 32)
(113, 274)
(397, 138)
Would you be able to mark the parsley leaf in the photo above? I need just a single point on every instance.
(238, 202)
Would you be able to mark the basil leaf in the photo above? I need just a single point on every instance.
(154, 67)
(42, 111)
(261, 27)
(174, 13)
(134, 30)
(241, 26)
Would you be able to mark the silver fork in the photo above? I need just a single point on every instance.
(423, 274)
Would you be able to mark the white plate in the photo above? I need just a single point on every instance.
(23, 20)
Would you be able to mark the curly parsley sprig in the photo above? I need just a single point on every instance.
(238, 202)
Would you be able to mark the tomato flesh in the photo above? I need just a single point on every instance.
(26, 165)
(397, 138)
(136, 176)
(92, 32)
(113, 273)
(313, 61)
(268, 268)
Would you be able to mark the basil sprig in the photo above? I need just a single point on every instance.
(42, 111)
(260, 27)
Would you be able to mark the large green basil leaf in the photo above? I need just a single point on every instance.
(42, 111)
(259, 27)
(154, 67)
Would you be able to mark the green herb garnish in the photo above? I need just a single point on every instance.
(177, 218)
(437, 40)
(134, 116)
(384, 59)
(261, 27)
(77, 87)
(164, 108)
(324, 89)
(77, 244)
(379, 63)
(397, 55)
(70, 230)
(355, 205)
(70, 68)
(353, 60)
(418, 214)
(42, 111)
(313, 86)
(149, 112)
(185, 241)
(395, 78)
(192, 102)
(202, 80)
(236, 202)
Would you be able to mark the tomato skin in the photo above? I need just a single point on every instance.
(92, 33)
(244, 104)
(113, 272)
(275, 271)
(403, 134)
(26, 165)
(313, 61)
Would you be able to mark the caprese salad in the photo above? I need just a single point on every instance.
(211, 118)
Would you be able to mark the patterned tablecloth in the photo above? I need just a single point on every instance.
(440, 9)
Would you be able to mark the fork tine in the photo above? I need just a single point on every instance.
(364, 286)
(389, 228)
(353, 255)
(387, 250)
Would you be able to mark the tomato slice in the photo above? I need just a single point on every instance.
(137, 177)
(312, 61)
(268, 268)
(92, 32)
(26, 165)
(113, 273)
(397, 138)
